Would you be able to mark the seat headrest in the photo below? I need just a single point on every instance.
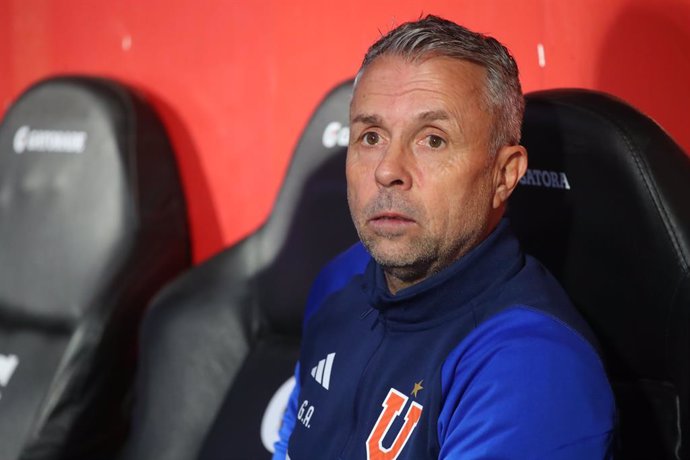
(604, 206)
(71, 153)
(310, 222)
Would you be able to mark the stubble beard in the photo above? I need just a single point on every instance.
(421, 256)
(411, 264)
(414, 259)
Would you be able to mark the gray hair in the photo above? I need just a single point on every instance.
(433, 36)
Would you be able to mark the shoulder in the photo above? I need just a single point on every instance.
(335, 275)
(524, 380)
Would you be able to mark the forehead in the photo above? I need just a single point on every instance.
(394, 83)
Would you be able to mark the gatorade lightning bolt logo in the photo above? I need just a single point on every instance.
(392, 407)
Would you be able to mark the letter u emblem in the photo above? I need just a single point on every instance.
(392, 407)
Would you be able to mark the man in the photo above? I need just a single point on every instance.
(451, 343)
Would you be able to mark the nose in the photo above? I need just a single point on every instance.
(394, 169)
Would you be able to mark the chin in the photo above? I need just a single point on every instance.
(392, 254)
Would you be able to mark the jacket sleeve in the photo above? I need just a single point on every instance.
(525, 385)
(289, 420)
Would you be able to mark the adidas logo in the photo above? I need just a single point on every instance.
(322, 371)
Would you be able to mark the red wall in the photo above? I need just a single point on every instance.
(235, 81)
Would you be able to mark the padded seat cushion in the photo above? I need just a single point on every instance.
(604, 205)
(92, 223)
(231, 325)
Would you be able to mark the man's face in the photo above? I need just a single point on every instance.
(420, 178)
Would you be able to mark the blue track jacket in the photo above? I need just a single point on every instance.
(486, 359)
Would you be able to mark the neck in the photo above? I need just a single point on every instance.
(395, 284)
(398, 278)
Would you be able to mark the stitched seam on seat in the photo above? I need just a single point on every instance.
(641, 162)
(652, 190)
(643, 166)
(662, 211)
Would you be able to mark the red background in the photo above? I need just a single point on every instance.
(236, 81)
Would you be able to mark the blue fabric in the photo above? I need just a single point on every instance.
(490, 349)
(335, 275)
(525, 385)
(289, 419)
(332, 277)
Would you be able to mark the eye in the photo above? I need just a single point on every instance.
(435, 142)
(371, 138)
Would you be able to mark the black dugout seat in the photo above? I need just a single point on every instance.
(92, 223)
(603, 205)
(606, 206)
(230, 328)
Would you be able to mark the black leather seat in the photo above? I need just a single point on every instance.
(605, 207)
(92, 223)
(229, 329)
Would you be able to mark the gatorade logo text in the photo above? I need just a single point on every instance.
(44, 140)
(335, 134)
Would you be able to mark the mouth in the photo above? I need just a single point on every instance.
(391, 217)
(390, 222)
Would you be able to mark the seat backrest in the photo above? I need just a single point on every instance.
(605, 206)
(92, 223)
(229, 329)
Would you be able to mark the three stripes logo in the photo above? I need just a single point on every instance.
(322, 371)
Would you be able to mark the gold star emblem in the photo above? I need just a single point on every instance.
(417, 387)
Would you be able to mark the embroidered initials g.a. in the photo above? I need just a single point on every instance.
(392, 407)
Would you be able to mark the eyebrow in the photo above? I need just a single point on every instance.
(432, 115)
(367, 119)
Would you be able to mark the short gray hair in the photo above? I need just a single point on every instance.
(433, 36)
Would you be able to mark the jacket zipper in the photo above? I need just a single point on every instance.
(353, 426)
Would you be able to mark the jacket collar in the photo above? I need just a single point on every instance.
(453, 290)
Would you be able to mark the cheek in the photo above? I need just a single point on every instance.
(353, 171)
(443, 211)
(451, 207)
(358, 181)
(470, 206)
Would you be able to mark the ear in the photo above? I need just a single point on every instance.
(510, 165)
